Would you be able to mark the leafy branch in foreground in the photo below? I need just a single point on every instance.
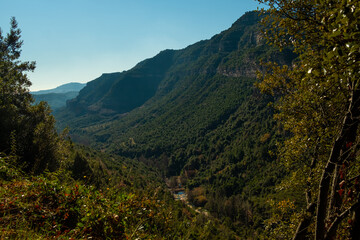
(319, 104)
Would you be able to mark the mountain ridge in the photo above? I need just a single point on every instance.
(109, 86)
(205, 121)
(67, 87)
(57, 97)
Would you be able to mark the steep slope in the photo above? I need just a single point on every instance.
(202, 119)
(193, 90)
(122, 92)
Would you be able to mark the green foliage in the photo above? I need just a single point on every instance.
(55, 205)
(315, 98)
(81, 168)
(27, 131)
(52, 188)
(283, 221)
(205, 122)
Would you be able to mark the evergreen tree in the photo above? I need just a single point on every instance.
(27, 130)
(319, 104)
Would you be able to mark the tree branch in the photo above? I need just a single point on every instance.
(330, 234)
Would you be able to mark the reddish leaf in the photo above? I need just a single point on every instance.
(341, 191)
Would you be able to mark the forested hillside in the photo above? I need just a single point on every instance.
(257, 130)
(194, 113)
(53, 188)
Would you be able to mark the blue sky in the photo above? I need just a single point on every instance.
(78, 40)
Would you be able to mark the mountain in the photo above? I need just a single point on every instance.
(58, 96)
(55, 100)
(68, 87)
(194, 114)
(122, 92)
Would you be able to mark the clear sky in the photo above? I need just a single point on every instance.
(78, 40)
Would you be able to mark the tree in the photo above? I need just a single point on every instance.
(13, 83)
(318, 102)
(27, 130)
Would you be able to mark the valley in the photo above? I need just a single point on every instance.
(193, 113)
(252, 133)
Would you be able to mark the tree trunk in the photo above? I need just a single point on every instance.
(331, 233)
(301, 231)
(323, 195)
(335, 201)
(355, 228)
(347, 134)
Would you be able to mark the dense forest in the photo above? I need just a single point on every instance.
(258, 125)
(201, 119)
(54, 188)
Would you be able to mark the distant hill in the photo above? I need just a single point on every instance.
(193, 112)
(55, 100)
(58, 96)
(68, 87)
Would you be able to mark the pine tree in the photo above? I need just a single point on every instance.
(27, 130)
